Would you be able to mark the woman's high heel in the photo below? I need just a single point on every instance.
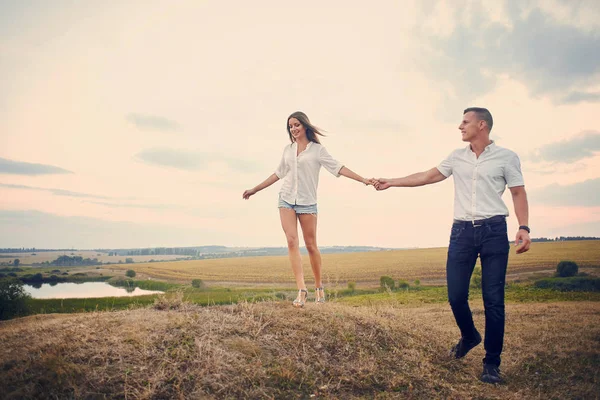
(301, 299)
(319, 295)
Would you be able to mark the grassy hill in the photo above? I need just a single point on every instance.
(271, 350)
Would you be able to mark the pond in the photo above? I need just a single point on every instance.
(70, 290)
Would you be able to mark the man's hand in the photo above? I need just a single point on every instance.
(381, 183)
(522, 241)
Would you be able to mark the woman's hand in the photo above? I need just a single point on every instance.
(369, 182)
(248, 193)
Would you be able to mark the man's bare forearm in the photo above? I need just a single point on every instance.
(521, 206)
(419, 179)
(413, 180)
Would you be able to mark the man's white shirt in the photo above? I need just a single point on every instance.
(300, 173)
(480, 182)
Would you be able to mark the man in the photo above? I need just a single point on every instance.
(481, 172)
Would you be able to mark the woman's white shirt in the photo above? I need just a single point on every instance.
(300, 173)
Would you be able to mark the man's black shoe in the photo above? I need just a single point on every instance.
(464, 346)
(491, 374)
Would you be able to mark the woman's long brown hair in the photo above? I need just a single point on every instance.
(311, 130)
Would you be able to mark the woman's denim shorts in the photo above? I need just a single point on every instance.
(312, 209)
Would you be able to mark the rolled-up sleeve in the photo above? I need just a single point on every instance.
(282, 168)
(512, 172)
(329, 163)
(445, 167)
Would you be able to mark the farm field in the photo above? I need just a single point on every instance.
(427, 265)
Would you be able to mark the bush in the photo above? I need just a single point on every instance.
(565, 269)
(476, 278)
(130, 273)
(352, 286)
(387, 282)
(12, 298)
(402, 284)
(198, 283)
(417, 282)
(121, 282)
(570, 284)
(128, 261)
(173, 301)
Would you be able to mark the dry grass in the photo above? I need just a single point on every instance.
(270, 350)
(423, 264)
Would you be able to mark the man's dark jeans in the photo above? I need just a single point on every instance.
(489, 241)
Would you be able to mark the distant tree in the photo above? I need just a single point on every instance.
(197, 283)
(402, 284)
(352, 286)
(129, 260)
(386, 282)
(12, 298)
(130, 273)
(417, 282)
(16, 262)
(566, 268)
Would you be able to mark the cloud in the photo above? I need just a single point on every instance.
(136, 205)
(95, 198)
(191, 160)
(549, 57)
(578, 97)
(580, 229)
(583, 194)
(58, 192)
(32, 228)
(153, 122)
(24, 168)
(584, 145)
(177, 159)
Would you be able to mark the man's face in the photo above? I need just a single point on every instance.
(470, 126)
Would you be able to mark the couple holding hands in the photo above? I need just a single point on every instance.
(481, 170)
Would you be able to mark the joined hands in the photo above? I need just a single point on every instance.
(378, 183)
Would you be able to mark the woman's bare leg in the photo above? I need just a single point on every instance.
(289, 224)
(308, 222)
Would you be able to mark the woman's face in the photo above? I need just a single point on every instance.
(296, 128)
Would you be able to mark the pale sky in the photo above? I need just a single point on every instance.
(140, 123)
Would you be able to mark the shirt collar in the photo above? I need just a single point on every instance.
(489, 147)
(295, 145)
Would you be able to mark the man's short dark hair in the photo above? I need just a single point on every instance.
(482, 114)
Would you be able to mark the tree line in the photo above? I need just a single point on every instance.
(564, 238)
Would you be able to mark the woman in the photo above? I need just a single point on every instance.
(299, 169)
